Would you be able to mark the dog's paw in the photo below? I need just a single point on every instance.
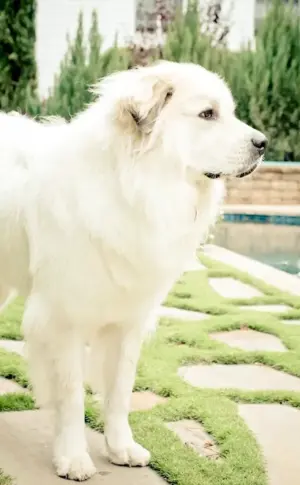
(132, 455)
(75, 468)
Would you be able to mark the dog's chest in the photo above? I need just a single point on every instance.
(109, 259)
(99, 282)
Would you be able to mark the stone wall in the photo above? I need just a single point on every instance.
(271, 184)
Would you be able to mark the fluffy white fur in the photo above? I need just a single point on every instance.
(98, 218)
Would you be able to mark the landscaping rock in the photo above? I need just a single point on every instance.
(17, 346)
(8, 386)
(277, 430)
(142, 401)
(266, 308)
(250, 340)
(193, 435)
(180, 314)
(26, 454)
(232, 288)
(246, 377)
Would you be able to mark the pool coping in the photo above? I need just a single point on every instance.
(277, 163)
(273, 276)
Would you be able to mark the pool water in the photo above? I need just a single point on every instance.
(275, 245)
(288, 262)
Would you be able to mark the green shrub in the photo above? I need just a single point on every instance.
(17, 56)
(186, 43)
(264, 82)
(274, 105)
(83, 64)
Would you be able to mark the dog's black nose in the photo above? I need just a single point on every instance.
(260, 142)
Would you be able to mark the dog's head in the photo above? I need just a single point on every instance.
(187, 114)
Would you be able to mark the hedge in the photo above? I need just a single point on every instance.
(17, 55)
(265, 82)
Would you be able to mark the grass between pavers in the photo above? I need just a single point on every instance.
(4, 479)
(178, 343)
(10, 321)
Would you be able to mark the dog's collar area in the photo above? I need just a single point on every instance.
(212, 175)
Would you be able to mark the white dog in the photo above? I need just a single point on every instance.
(98, 218)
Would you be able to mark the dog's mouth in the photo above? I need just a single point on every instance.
(211, 175)
(247, 172)
(239, 175)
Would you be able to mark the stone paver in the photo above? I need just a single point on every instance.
(277, 430)
(266, 308)
(13, 346)
(250, 340)
(291, 322)
(272, 276)
(248, 377)
(232, 288)
(25, 454)
(142, 401)
(8, 386)
(193, 434)
(180, 314)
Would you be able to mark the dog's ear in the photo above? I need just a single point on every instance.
(145, 112)
(142, 110)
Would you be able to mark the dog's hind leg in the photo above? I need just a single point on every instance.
(56, 366)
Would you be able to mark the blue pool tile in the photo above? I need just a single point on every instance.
(263, 219)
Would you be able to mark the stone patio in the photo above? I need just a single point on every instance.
(140, 401)
(8, 386)
(25, 454)
(281, 280)
(180, 314)
(291, 322)
(232, 288)
(16, 346)
(193, 435)
(244, 377)
(25, 437)
(145, 400)
(251, 340)
(277, 429)
(266, 308)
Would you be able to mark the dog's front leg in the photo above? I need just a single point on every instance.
(71, 457)
(120, 369)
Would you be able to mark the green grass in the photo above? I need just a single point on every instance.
(4, 479)
(176, 344)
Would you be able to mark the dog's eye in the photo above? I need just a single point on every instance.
(208, 114)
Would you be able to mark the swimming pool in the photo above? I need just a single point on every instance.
(277, 245)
